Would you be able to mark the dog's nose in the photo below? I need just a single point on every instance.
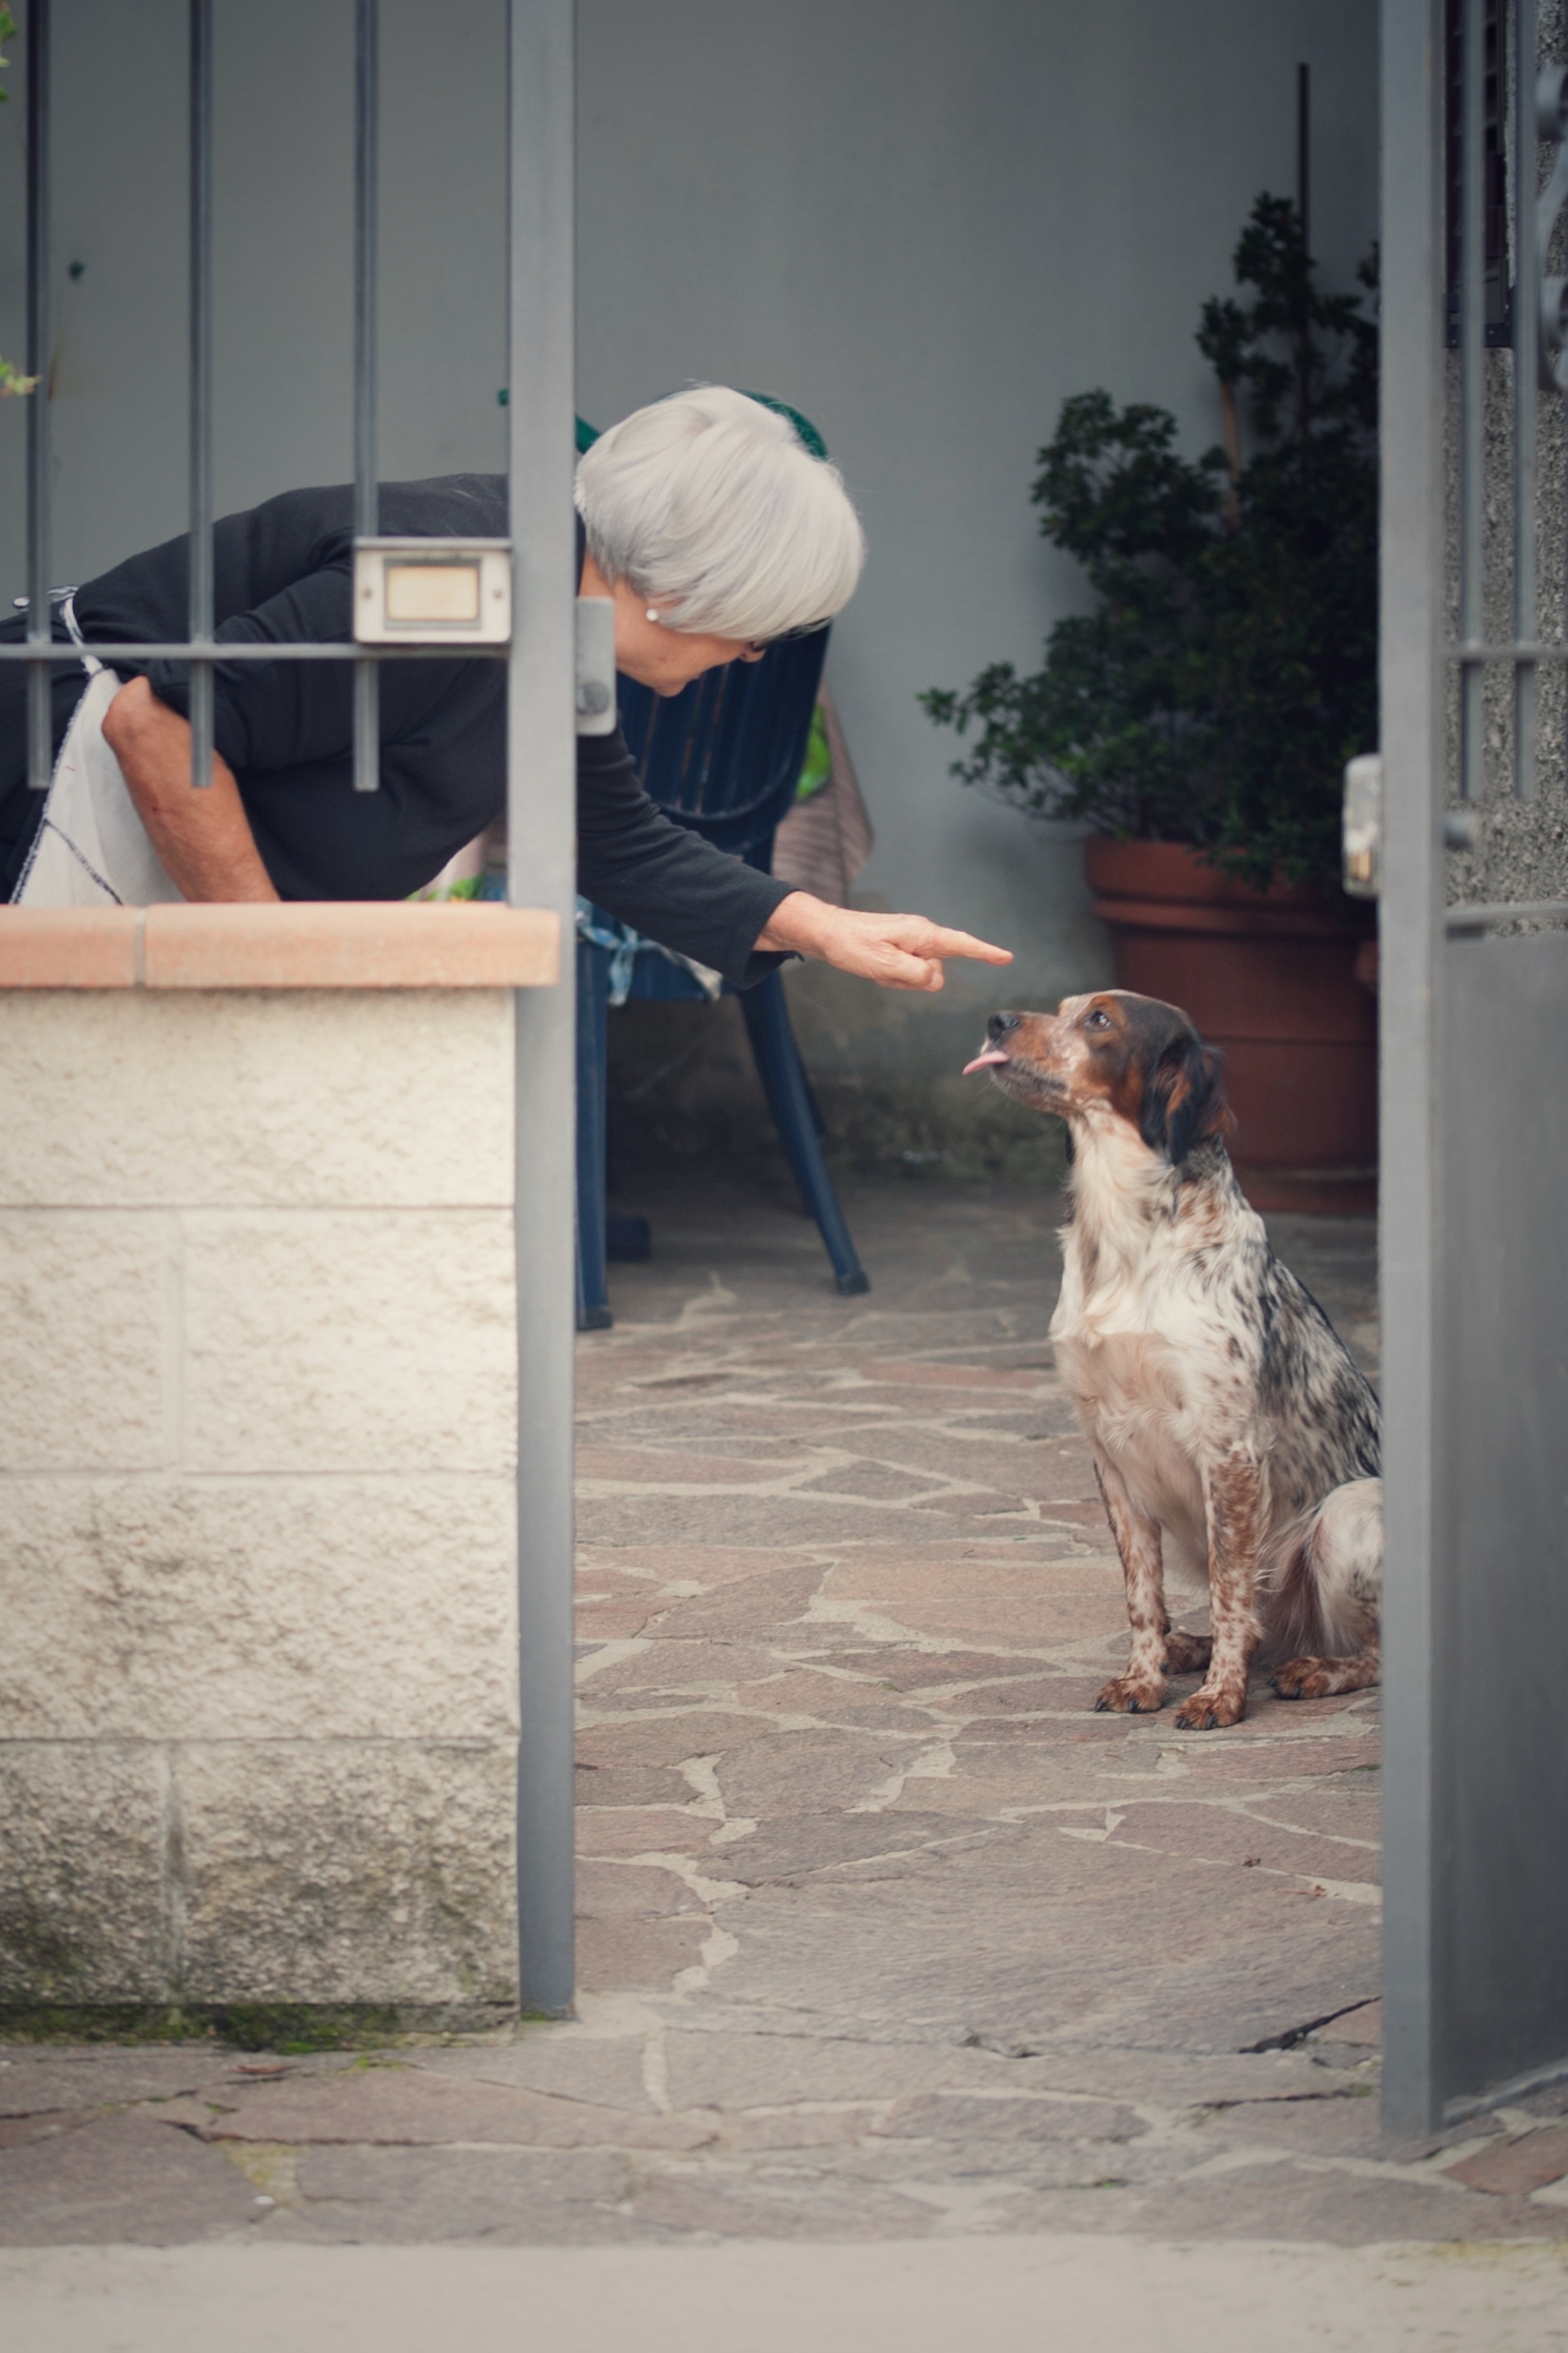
(1001, 1023)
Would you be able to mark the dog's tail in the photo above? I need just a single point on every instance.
(1321, 1591)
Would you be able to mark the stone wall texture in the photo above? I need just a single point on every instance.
(257, 1703)
(1522, 847)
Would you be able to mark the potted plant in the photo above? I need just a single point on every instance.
(1199, 714)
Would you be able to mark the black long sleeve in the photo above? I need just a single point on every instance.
(636, 862)
(282, 573)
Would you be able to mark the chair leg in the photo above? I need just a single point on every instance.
(593, 1050)
(629, 1241)
(782, 1074)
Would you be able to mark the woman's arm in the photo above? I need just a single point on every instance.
(634, 861)
(266, 717)
(637, 862)
(203, 837)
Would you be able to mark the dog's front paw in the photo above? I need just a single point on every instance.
(1211, 1711)
(1307, 1678)
(1131, 1695)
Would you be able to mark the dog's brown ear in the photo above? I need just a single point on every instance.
(1184, 1102)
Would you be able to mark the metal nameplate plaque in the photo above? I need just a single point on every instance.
(431, 591)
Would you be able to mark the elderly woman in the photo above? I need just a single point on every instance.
(704, 519)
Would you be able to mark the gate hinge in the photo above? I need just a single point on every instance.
(595, 666)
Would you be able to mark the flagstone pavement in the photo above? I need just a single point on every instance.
(884, 1933)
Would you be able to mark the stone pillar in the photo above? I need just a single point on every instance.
(257, 1717)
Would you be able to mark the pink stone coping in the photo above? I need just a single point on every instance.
(324, 945)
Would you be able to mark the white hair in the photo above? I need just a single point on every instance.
(712, 504)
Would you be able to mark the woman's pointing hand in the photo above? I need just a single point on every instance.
(897, 951)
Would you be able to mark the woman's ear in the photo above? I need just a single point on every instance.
(1184, 1102)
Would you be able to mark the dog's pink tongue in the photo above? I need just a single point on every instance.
(985, 1061)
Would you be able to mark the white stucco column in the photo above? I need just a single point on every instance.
(257, 1524)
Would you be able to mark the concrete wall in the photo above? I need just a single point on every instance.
(283, 227)
(258, 1715)
(927, 223)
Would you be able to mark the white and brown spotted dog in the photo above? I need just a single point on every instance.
(1235, 1442)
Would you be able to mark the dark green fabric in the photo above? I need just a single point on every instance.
(588, 434)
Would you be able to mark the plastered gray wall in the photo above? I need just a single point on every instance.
(283, 225)
(927, 223)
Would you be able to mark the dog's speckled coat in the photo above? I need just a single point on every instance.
(1235, 1443)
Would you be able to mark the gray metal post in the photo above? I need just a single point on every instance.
(1526, 392)
(540, 815)
(1411, 731)
(1472, 452)
(201, 385)
(367, 505)
(40, 677)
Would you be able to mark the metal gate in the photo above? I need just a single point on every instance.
(1475, 1052)
(541, 739)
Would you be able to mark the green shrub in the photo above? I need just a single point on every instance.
(1228, 668)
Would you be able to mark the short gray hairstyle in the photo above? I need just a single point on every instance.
(712, 504)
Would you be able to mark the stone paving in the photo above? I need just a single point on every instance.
(885, 1933)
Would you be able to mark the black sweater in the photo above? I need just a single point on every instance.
(282, 573)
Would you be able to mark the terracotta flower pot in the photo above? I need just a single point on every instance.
(1271, 977)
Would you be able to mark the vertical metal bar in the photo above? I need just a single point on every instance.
(1304, 154)
(1526, 390)
(1472, 683)
(40, 674)
(367, 64)
(541, 775)
(201, 385)
(1411, 617)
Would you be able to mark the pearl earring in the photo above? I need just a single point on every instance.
(653, 614)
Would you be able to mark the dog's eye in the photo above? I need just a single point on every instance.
(1096, 1019)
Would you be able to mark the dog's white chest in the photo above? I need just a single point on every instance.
(1137, 1407)
(1138, 1357)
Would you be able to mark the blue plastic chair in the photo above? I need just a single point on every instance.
(723, 757)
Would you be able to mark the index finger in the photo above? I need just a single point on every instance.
(905, 969)
(945, 943)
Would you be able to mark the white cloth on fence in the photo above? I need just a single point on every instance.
(623, 946)
(91, 848)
